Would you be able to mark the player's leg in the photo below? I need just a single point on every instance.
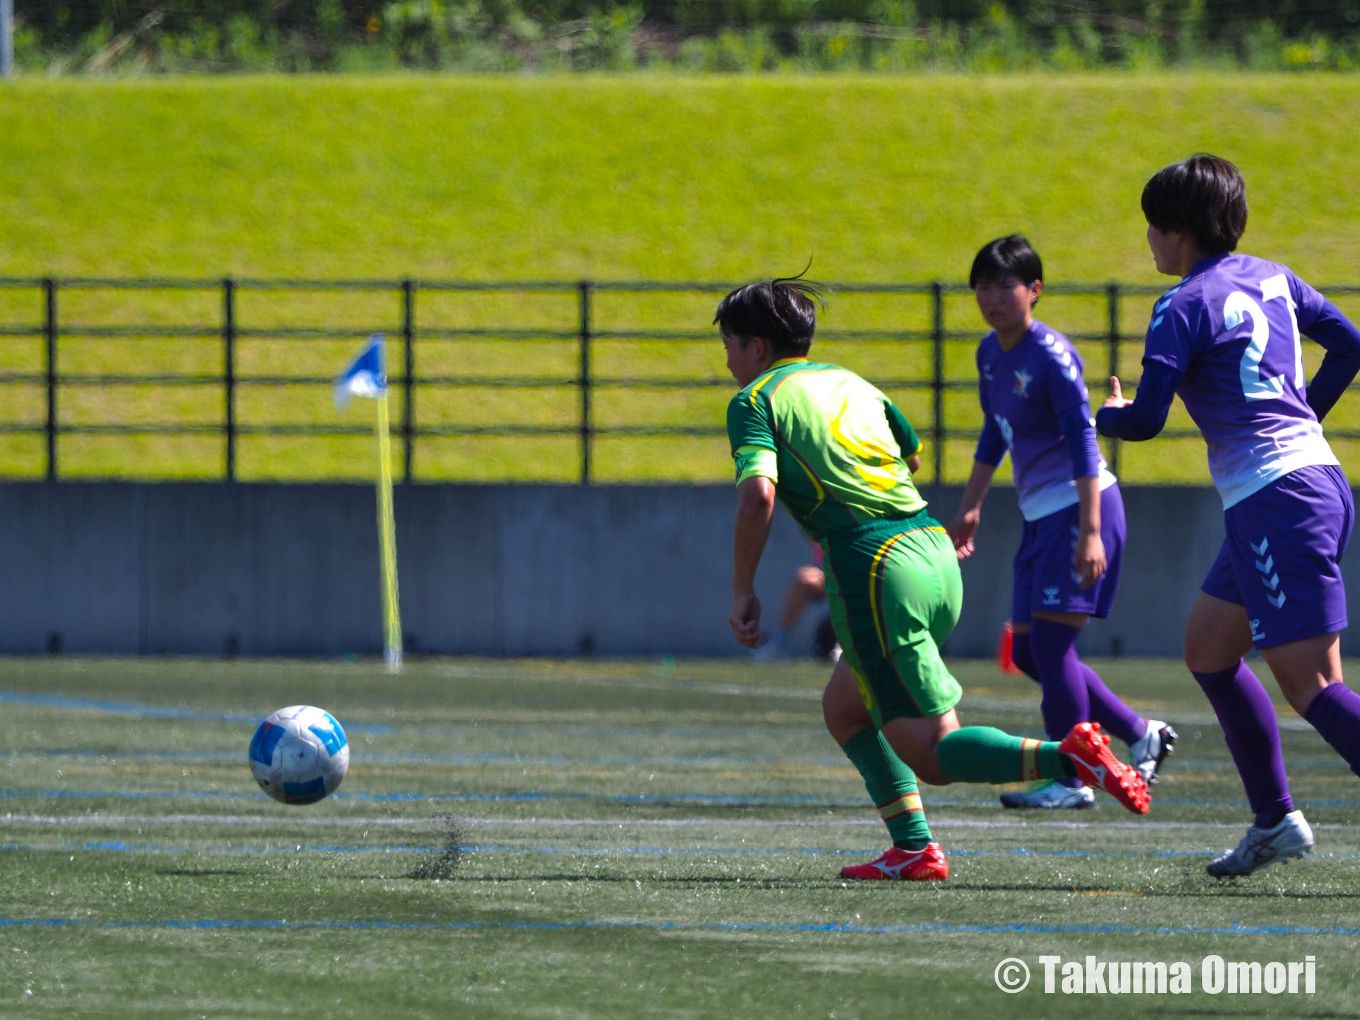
(1295, 532)
(1053, 609)
(916, 596)
(1218, 633)
(1065, 701)
(1309, 674)
(890, 783)
(1065, 791)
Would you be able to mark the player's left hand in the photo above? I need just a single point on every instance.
(1116, 397)
(1088, 560)
(745, 618)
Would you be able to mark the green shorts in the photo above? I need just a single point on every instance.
(895, 594)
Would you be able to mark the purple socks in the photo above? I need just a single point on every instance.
(1049, 654)
(1335, 713)
(1252, 734)
(1073, 692)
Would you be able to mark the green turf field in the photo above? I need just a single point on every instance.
(637, 838)
(609, 178)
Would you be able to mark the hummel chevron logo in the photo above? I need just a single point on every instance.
(1265, 544)
(1267, 566)
(1273, 583)
(1276, 600)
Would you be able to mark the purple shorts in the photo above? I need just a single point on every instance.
(1281, 559)
(1044, 579)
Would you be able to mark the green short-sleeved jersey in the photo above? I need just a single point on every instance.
(835, 447)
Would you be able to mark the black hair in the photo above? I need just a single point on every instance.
(782, 311)
(1006, 256)
(1203, 196)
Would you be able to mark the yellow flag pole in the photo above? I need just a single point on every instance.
(387, 541)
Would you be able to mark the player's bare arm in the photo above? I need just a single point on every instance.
(1088, 557)
(755, 508)
(965, 523)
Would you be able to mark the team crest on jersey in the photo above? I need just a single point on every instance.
(1022, 381)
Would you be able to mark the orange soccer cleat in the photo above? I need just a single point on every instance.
(1097, 766)
(904, 865)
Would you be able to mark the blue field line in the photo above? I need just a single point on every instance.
(155, 711)
(717, 926)
(637, 799)
(509, 758)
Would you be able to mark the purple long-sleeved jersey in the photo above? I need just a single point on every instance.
(1028, 395)
(1231, 327)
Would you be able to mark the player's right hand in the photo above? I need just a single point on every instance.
(745, 618)
(961, 531)
(1116, 397)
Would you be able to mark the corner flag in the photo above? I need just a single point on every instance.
(366, 376)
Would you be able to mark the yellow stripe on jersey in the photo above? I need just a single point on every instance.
(879, 476)
(778, 364)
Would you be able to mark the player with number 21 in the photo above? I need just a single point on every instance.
(1226, 339)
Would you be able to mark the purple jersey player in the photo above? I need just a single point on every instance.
(1034, 405)
(1226, 338)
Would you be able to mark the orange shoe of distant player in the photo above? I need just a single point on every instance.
(1097, 766)
(903, 865)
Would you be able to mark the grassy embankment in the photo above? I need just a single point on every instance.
(878, 179)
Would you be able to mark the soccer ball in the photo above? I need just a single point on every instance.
(299, 754)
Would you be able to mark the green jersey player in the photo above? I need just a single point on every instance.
(835, 451)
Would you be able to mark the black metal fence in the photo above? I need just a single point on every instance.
(609, 362)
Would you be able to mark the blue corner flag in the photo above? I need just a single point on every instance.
(366, 375)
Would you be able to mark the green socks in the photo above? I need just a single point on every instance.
(983, 754)
(892, 786)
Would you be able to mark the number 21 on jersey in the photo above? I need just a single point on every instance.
(1239, 305)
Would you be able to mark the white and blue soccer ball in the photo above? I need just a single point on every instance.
(299, 754)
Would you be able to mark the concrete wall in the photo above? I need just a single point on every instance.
(488, 570)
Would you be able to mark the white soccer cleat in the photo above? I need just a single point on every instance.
(1051, 794)
(1261, 847)
(1148, 753)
